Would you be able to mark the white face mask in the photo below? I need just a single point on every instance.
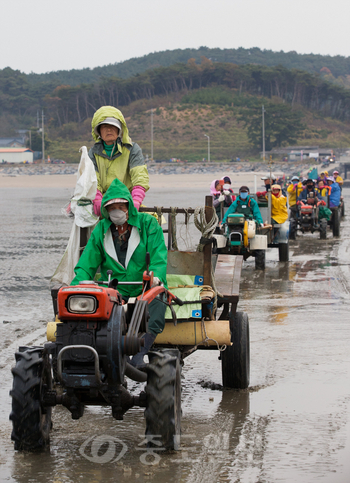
(118, 217)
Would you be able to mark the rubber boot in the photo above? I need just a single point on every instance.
(137, 359)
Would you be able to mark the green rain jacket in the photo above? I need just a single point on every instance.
(146, 236)
(126, 162)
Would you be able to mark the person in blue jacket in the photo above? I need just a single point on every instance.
(246, 205)
(334, 197)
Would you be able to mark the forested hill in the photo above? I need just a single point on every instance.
(335, 68)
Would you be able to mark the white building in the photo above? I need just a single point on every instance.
(16, 155)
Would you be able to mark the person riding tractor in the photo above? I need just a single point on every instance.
(279, 212)
(293, 191)
(310, 192)
(268, 181)
(314, 197)
(335, 194)
(245, 205)
(120, 242)
(338, 179)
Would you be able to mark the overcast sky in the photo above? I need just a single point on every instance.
(48, 35)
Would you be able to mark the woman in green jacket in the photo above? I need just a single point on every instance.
(115, 156)
(119, 243)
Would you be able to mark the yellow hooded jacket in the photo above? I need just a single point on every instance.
(293, 194)
(126, 162)
(279, 210)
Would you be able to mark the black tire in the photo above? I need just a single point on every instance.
(343, 209)
(235, 359)
(323, 229)
(260, 259)
(283, 252)
(31, 422)
(336, 222)
(163, 390)
(293, 229)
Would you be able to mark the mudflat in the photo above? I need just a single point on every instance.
(174, 181)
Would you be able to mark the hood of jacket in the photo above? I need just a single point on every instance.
(213, 190)
(118, 189)
(110, 111)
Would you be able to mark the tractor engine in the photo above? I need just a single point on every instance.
(89, 343)
(239, 230)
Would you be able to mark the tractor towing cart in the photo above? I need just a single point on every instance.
(242, 235)
(85, 361)
(309, 219)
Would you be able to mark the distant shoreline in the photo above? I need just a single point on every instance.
(194, 180)
(65, 175)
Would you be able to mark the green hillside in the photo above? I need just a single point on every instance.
(180, 125)
(337, 66)
(222, 100)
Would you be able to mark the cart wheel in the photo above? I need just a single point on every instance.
(31, 422)
(283, 252)
(260, 259)
(336, 222)
(323, 229)
(235, 359)
(163, 390)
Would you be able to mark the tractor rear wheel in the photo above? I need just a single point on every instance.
(163, 391)
(323, 229)
(31, 421)
(260, 259)
(235, 359)
(336, 222)
(283, 252)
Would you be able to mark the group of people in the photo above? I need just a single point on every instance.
(223, 197)
(123, 235)
(326, 191)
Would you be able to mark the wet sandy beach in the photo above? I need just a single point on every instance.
(156, 181)
(291, 425)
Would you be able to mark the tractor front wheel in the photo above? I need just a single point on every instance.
(31, 421)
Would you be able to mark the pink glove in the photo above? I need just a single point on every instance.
(138, 193)
(295, 186)
(97, 203)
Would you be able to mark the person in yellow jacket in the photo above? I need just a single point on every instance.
(279, 212)
(115, 156)
(294, 190)
(338, 179)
